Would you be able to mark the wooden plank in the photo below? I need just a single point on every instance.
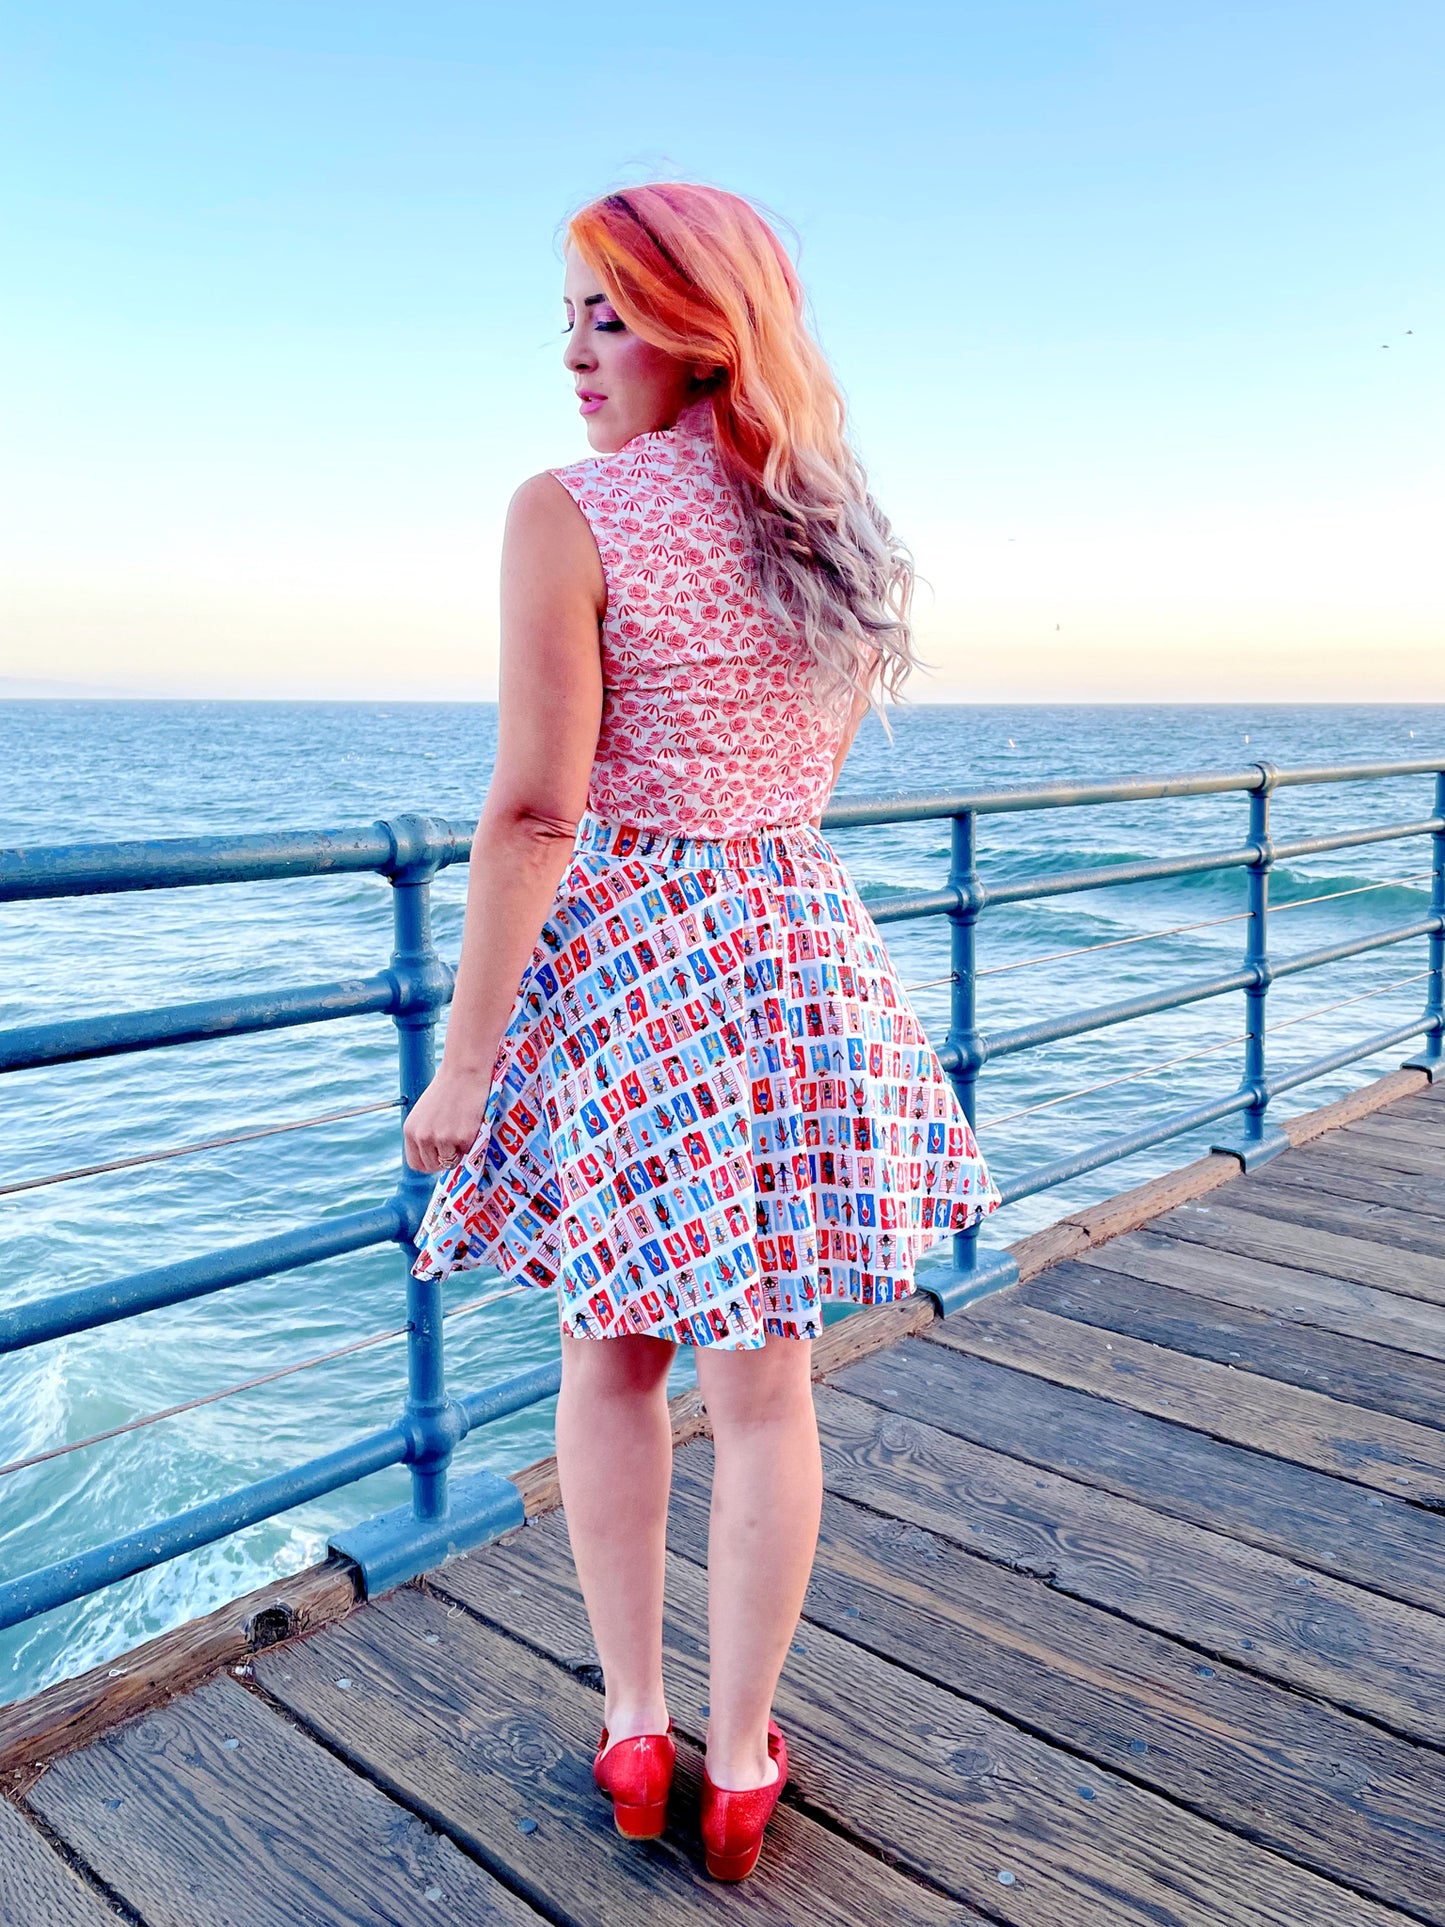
(1361, 1260)
(1357, 1311)
(75, 1710)
(941, 1785)
(1394, 1087)
(1306, 1427)
(1047, 1247)
(1352, 1217)
(37, 1887)
(1389, 1545)
(1429, 1101)
(1405, 1145)
(1128, 1210)
(1420, 1107)
(1329, 1791)
(1422, 1125)
(1227, 1599)
(1379, 1152)
(1346, 1178)
(214, 1812)
(486, 1737)
(1294, 1353)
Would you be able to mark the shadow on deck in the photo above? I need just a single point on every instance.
(1127, 1609)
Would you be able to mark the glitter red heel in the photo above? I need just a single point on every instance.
(733, 1818)
(638, 1775)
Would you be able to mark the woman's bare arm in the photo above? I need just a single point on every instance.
(550, 709)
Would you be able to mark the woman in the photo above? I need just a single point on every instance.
(681, 1084)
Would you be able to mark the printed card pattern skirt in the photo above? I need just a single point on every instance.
(713, 1106)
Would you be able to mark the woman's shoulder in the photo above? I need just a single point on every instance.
(545, 527)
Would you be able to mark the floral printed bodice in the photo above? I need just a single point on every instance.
(709, 721)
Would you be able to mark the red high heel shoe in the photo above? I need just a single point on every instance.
(638, 1775)
(733, 1818)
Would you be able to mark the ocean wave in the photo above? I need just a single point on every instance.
(1405, 893)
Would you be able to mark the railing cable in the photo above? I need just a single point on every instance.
(1190, 1057)
(1083, 950)
(186, 1150)
(1176, 930)
(1333, 896)
(1112, 943)
(1087, 1090)
(248, 1384)
(1363, 997)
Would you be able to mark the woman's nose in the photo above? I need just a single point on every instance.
(577, 355)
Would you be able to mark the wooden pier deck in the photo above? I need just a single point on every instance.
(1129, 1607)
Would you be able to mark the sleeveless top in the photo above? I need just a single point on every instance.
(709, 724)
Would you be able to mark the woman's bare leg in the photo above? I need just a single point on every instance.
(614, 1466)
(767, 1497)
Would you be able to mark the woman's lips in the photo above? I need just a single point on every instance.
(590, 403)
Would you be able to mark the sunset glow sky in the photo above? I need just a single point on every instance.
(1138, 309)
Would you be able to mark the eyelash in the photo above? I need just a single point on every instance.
(602, 327)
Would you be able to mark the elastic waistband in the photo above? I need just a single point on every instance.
(685, 850)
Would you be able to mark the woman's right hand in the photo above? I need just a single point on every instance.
(445, 1119)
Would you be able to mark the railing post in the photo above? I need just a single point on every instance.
(414, 959)
(1257, 1140)
(1429, 1058)
(397, 1545)
(974, 1273)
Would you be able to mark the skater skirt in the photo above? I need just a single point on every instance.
(713, 1107)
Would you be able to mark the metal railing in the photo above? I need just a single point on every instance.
(445, 1514)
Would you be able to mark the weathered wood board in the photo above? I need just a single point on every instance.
(1356, 1257)
(1290, 1352)
(1387, 1224)
(215, 1812)
(1237, 1407)
(37, 1888)
(1387, 1545)
(1346, 1180)
(1357, 1311)
(1228, 1599)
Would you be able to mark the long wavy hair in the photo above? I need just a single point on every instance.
(699, 273)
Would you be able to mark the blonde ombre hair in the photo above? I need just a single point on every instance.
(699, 273)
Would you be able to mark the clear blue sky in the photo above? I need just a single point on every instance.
(1108, 286)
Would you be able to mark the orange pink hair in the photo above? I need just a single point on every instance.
(698, 272)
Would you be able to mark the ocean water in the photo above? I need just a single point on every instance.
(80, 771)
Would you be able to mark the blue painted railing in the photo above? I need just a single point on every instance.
(444, 1515)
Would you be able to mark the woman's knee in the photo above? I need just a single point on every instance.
(770, 1386)
(623, 1367)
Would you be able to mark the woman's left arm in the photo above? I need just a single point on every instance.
(550, 710)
